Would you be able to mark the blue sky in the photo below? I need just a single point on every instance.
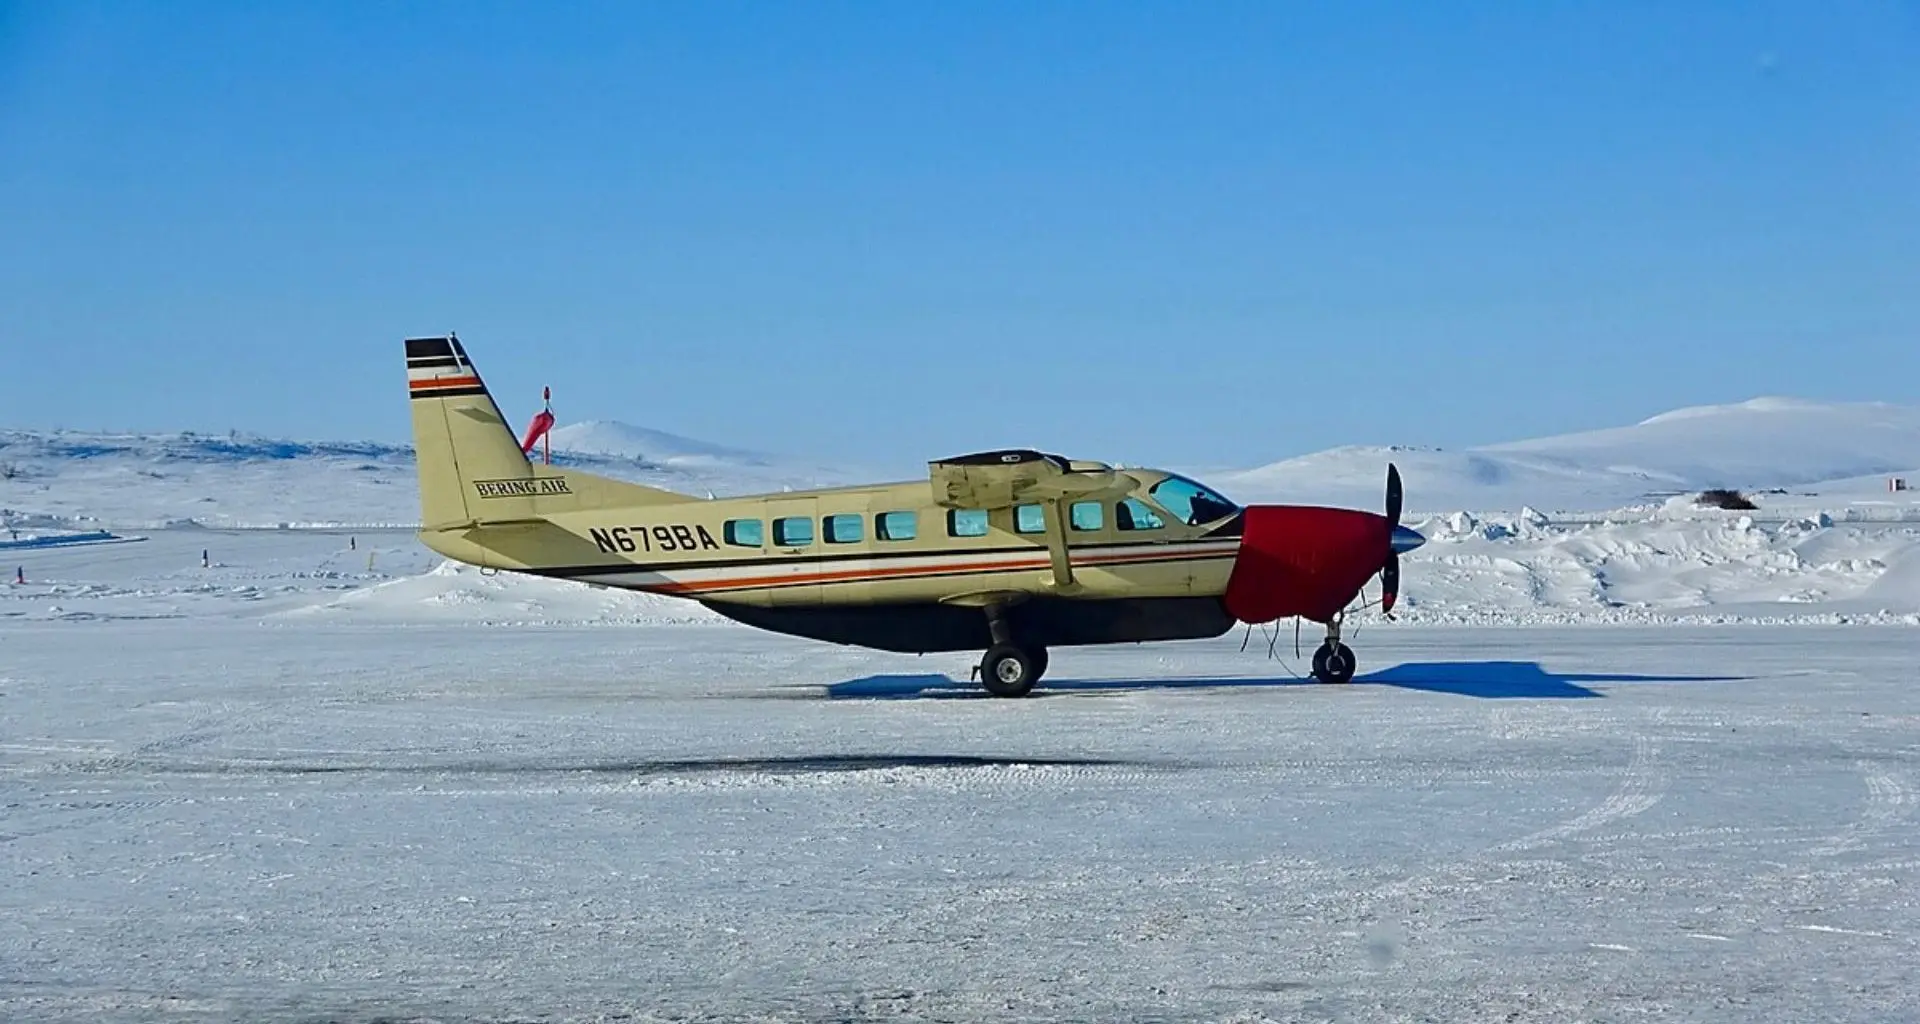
(1190, 234)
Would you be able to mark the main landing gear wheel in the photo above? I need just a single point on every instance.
(1010, 671)
(1333, 663)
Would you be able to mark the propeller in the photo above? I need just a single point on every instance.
(1390, 572)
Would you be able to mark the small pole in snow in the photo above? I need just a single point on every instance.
(205, 562)
(20, 576)
(353, 543)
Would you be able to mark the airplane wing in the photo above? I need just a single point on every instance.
(1014, 476)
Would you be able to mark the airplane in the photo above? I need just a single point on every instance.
(1010, 552)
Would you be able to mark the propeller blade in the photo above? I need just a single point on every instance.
(1390, 571)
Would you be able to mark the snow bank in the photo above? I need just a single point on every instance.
(1478, 569)
(455, 593)
(16, 540)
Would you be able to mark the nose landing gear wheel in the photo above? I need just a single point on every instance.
(1010, 671)
(1333, 663)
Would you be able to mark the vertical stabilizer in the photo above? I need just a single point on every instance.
(473, 473)
(466, 452)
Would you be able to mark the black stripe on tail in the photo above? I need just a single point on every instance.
(427, 348)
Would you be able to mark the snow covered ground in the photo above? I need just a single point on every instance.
(286, 787)
(1624, 760)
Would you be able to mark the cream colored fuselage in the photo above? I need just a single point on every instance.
(749, 550)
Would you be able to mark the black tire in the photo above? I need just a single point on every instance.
(1333, 663)
(1009, 671)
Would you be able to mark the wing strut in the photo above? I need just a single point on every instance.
(1056, 521)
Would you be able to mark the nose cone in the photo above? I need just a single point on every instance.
(1302, 560)
(1405, 540)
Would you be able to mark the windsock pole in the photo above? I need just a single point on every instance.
(546, 439)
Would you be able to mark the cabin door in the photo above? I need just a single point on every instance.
(794, 545)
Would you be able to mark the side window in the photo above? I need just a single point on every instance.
(1029, 519)
(743, 533)
(1133, 514)
(967, 522)
(793, 531)
(842, 529)
(1190, 502)
(1087, 515)
(896, 525)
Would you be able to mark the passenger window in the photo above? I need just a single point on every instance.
(793, 531)
(896, 525)
(1133, 514)
(743, 533)
(1087, 515)
(842, 529)
(1029, 519)
(967, 522)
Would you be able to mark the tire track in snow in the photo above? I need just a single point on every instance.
(1642, 785)
(1801, 884)
(71, 809)
(1889, 801)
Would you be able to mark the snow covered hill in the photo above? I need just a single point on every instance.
(65, 479)
(1759, 445)
(626, 441)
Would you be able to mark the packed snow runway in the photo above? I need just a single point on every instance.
(270, 804)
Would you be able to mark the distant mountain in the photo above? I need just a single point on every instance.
(1765, 442)
(1760, 444)
(626, 441)
(140, 481)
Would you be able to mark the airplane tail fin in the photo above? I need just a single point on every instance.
(460, 439)
(472, 469)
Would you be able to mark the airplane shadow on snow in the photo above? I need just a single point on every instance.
(1485, 679)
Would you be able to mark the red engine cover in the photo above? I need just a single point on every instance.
(1304, 560)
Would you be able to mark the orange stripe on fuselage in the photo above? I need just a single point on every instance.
(862, 575)
(436, 383)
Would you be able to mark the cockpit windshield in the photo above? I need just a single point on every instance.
(1190, 502)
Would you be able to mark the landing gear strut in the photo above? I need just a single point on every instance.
(1333, 662)
(1009, 669)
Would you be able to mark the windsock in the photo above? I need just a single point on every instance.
(542, 422)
